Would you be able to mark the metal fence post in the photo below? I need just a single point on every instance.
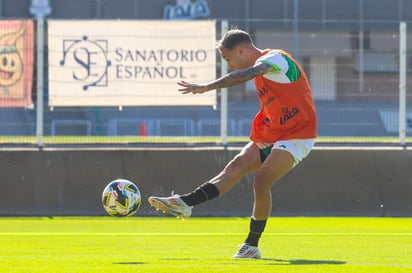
(402, 81)
(296, 29)
(223, 93)
(40, 80)
(40, 9)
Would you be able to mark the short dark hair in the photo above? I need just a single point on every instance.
(234, 37)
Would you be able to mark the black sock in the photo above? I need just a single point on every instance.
(256, 230)
(201, 194)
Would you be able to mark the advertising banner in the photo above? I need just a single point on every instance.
(16, 63)
(129, 63)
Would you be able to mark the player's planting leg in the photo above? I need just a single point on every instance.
(275, 166)
(247, 251)
(250, 249)
(256, 229)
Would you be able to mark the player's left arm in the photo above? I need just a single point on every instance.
(231, 79)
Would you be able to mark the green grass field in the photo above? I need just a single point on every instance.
(166, 244)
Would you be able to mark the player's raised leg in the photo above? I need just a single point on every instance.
(173, 205)
(246, 161)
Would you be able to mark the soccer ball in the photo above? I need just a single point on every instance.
(121, 198)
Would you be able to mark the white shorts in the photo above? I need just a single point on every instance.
(298, 148)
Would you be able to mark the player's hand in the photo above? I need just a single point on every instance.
(191, 88)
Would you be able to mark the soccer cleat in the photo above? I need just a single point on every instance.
(173, 205)
(247, 251)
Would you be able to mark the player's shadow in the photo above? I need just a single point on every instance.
(302, 262)
(278, 262)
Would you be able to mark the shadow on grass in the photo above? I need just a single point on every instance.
(274, 261)
(132, 263)
(182, 259)
(302, 262)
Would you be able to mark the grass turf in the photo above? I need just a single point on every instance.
(108, 244)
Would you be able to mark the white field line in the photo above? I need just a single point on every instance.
(201, 234)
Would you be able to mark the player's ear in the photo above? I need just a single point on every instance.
(240, 49)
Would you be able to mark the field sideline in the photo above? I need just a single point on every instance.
(166, 244)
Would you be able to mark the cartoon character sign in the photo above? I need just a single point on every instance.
(11, 64)
(16, 63)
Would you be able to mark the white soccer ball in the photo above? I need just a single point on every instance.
(121, 198)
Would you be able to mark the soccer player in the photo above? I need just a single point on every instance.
(283, 131)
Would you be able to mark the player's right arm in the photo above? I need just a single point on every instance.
(231, 79)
